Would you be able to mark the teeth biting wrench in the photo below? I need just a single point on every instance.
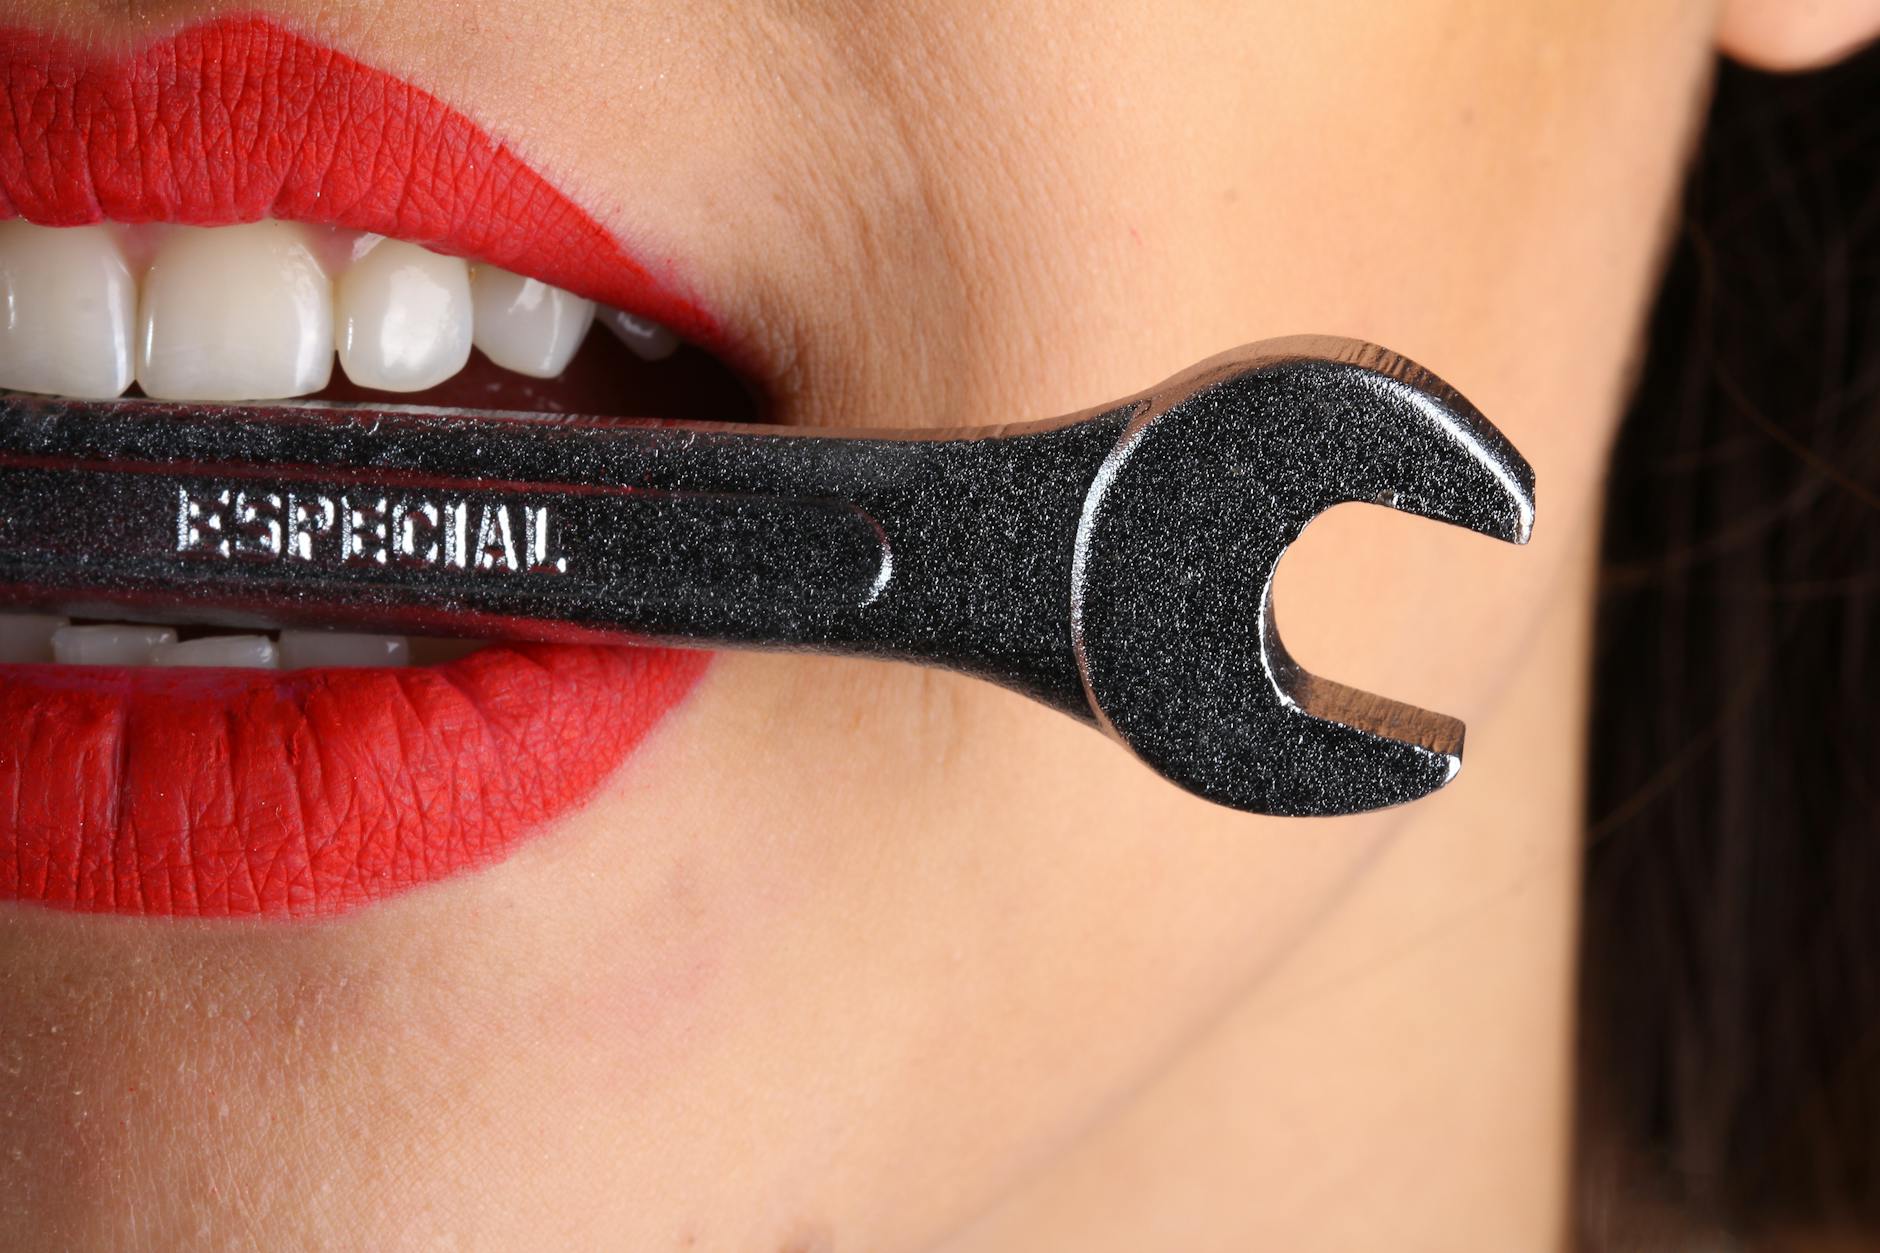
(1116, 565)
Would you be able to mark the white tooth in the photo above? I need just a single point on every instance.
(67, 302)
(404, 317)
(527, 326)
(306, 650)
(243, 652)
(649, 340)
(110, 644)
(27, 637)
(235, 313)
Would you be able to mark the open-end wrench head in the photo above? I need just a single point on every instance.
(1172, 580)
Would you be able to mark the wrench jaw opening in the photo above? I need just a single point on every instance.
(1182, 531)
(1405, 752)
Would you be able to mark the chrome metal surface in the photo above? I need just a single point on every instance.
(1116, 564)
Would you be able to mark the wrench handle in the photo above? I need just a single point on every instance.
(929, 549)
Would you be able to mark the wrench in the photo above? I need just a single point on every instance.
(1116, 564)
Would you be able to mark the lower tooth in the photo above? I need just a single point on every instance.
(306, 650)
(244, 652)
(27, 637)
(108, 645)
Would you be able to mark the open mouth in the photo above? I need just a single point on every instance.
(276, 310)
(183, 242)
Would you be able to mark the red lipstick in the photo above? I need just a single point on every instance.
(240, 794)
(240, 119)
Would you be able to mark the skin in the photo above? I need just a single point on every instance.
(867, 957)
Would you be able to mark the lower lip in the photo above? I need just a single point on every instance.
(243, 794)
(228, 793)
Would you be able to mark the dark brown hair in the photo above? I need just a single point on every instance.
(1730, 974)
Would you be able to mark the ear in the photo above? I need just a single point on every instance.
(1795, 34)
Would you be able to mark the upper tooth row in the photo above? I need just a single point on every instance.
(255, 312)
(26, 637)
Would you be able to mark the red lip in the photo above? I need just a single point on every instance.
(226, 793)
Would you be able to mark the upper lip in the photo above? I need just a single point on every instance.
(83, 138)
